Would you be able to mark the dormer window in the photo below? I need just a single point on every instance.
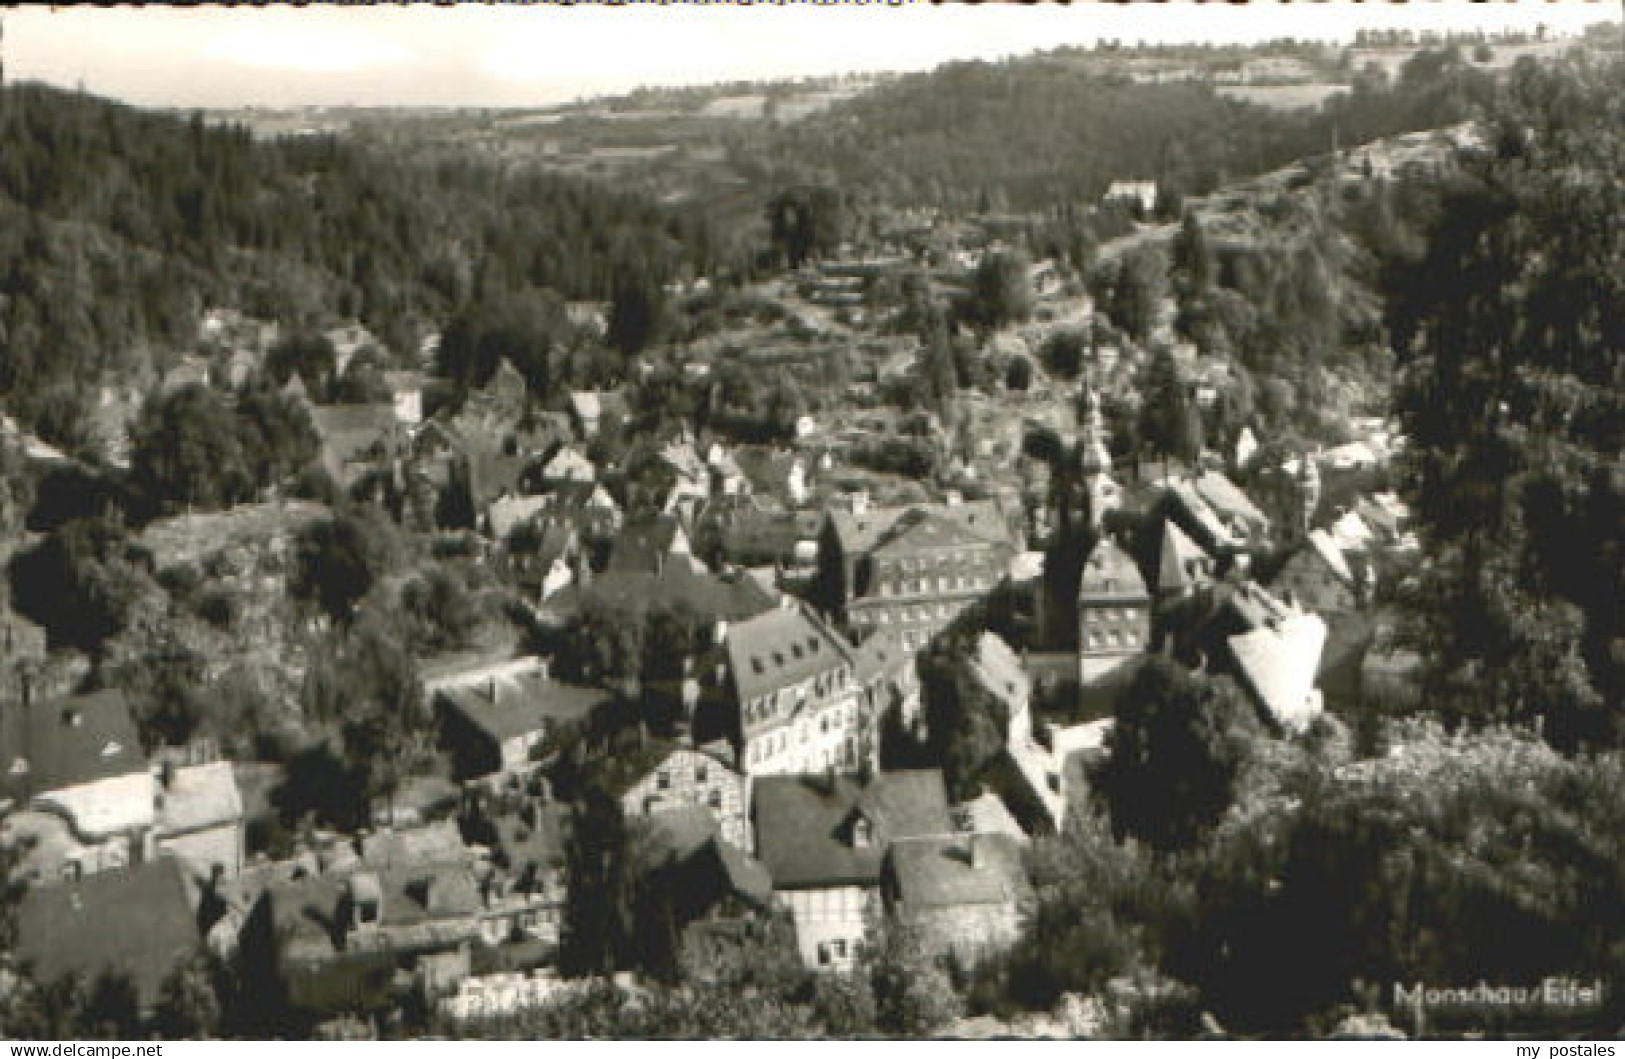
(862, 832)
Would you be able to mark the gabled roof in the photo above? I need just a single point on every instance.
(707, 597)
(136, 921)
(921, 529)
(506, 513)
(804, 824)
(491, 474)
(1322, 544)
(1109, 573)
(781, 647)
(642, 545)
(938, 873)
(999, 668)
(1254, 605)
(1207, 520)
(436, 843)
(67, 742)
(568, 465)
(860, 534)
(523, 705)
(201, 796)
(1278, 663)
(880, 656)
(1175, 560)
(1227, 498)
(350, 421)
(1352, 532)
(623, 771)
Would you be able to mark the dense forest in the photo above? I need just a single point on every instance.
(1034, 133)
(118, 226)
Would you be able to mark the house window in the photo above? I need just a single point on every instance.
(663, 780)
(840, 948)
(714, 799)
(823, 955)
(700, 773)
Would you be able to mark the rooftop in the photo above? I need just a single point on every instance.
(804, 824)
(200, 796)
(782, 647)
(68, 742)
(1178, 558)
(524, 704)
(1110, 573)
(940, 872)
(136, 921)
(1278, 662)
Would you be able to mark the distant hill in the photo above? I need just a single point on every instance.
(117, 226)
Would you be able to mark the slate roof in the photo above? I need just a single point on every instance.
(348, 429)
(804, 824)
(1278, 663)
(781, 647)
(1323, 545)
(999, 668)
(201, 796)
(1109, 573)
(136, 921)
(67, 742)
(491, 474)
(642, 546)
(937, 873)
(436, 843)
(923, 530)
(523, 705)
(1225, 497)
(1174, 561)
(860, 534)
(706, 596)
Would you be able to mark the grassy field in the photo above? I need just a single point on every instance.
(1283, 97)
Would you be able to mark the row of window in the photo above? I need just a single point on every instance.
(837, 949)
(1113, 613)
(942, 583)
(925, 564)
(664, 778)
(654, 802)
(765, 706)
(1112, 638)
(916, 612)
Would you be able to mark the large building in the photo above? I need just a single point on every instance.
(911, 571)
(824, 841)
(794, 685)
(80, 792)
(1114, 612)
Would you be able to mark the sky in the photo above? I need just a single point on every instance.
(483, 55)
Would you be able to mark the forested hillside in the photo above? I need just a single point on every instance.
(117, 226)
(1028, 134)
